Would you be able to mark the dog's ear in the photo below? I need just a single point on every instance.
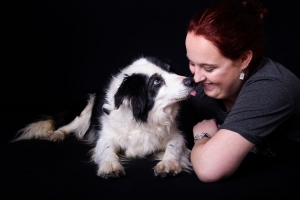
(133, 92)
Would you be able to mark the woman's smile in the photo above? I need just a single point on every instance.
(207, 86)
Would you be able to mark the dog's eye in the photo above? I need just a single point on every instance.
(157, 82)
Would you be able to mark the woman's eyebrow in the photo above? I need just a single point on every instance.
(207, 65)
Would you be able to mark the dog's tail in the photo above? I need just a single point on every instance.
(41, 129)
(76, 121)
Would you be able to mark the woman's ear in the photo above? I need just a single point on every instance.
(246, 58)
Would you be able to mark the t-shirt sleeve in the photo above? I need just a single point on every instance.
(261, 107)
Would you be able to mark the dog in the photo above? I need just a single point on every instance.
(136, 117)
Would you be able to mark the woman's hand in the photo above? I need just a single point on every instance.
(209, 126)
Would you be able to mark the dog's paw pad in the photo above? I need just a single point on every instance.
(111, 170)
(167, 167)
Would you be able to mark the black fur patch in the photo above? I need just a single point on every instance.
(160, 63)
(97, 111)
(154, 84)
(134, 89)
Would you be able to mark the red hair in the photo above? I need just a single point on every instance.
(233, 27)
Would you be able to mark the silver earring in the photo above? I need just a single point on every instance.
(242, 75)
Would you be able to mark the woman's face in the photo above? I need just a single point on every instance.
(218, 75)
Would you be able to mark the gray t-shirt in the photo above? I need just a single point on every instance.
(267, 110)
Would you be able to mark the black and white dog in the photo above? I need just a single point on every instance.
(135, 118)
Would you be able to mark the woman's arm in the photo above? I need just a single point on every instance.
(218, 157)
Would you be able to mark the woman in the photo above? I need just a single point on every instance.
(245, 102)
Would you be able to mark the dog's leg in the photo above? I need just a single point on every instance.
(48, 128)
(78, 126)
(105, 156)
(175, 158)
(61, 133)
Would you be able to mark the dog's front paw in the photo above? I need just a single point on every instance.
(111, 170)
(167, 167)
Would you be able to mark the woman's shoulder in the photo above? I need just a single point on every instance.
(275, 73)
(272, 86)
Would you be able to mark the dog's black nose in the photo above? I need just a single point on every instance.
(189, 82)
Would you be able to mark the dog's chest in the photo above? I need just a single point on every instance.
(135, 139)
(137, 144)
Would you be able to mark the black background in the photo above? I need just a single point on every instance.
(54, 52)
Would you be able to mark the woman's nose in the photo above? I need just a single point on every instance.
(199, 76)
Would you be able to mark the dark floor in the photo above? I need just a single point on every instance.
(45, 170)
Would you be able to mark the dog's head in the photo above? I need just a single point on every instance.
(148, 84)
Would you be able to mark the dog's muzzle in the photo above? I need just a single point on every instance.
(189, 82)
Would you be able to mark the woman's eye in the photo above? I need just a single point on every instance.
(209, 69)
(192, 64)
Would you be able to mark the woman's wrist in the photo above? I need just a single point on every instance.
(200, 142)
(200, 136)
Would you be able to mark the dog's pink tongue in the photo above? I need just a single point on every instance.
(193, 93)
